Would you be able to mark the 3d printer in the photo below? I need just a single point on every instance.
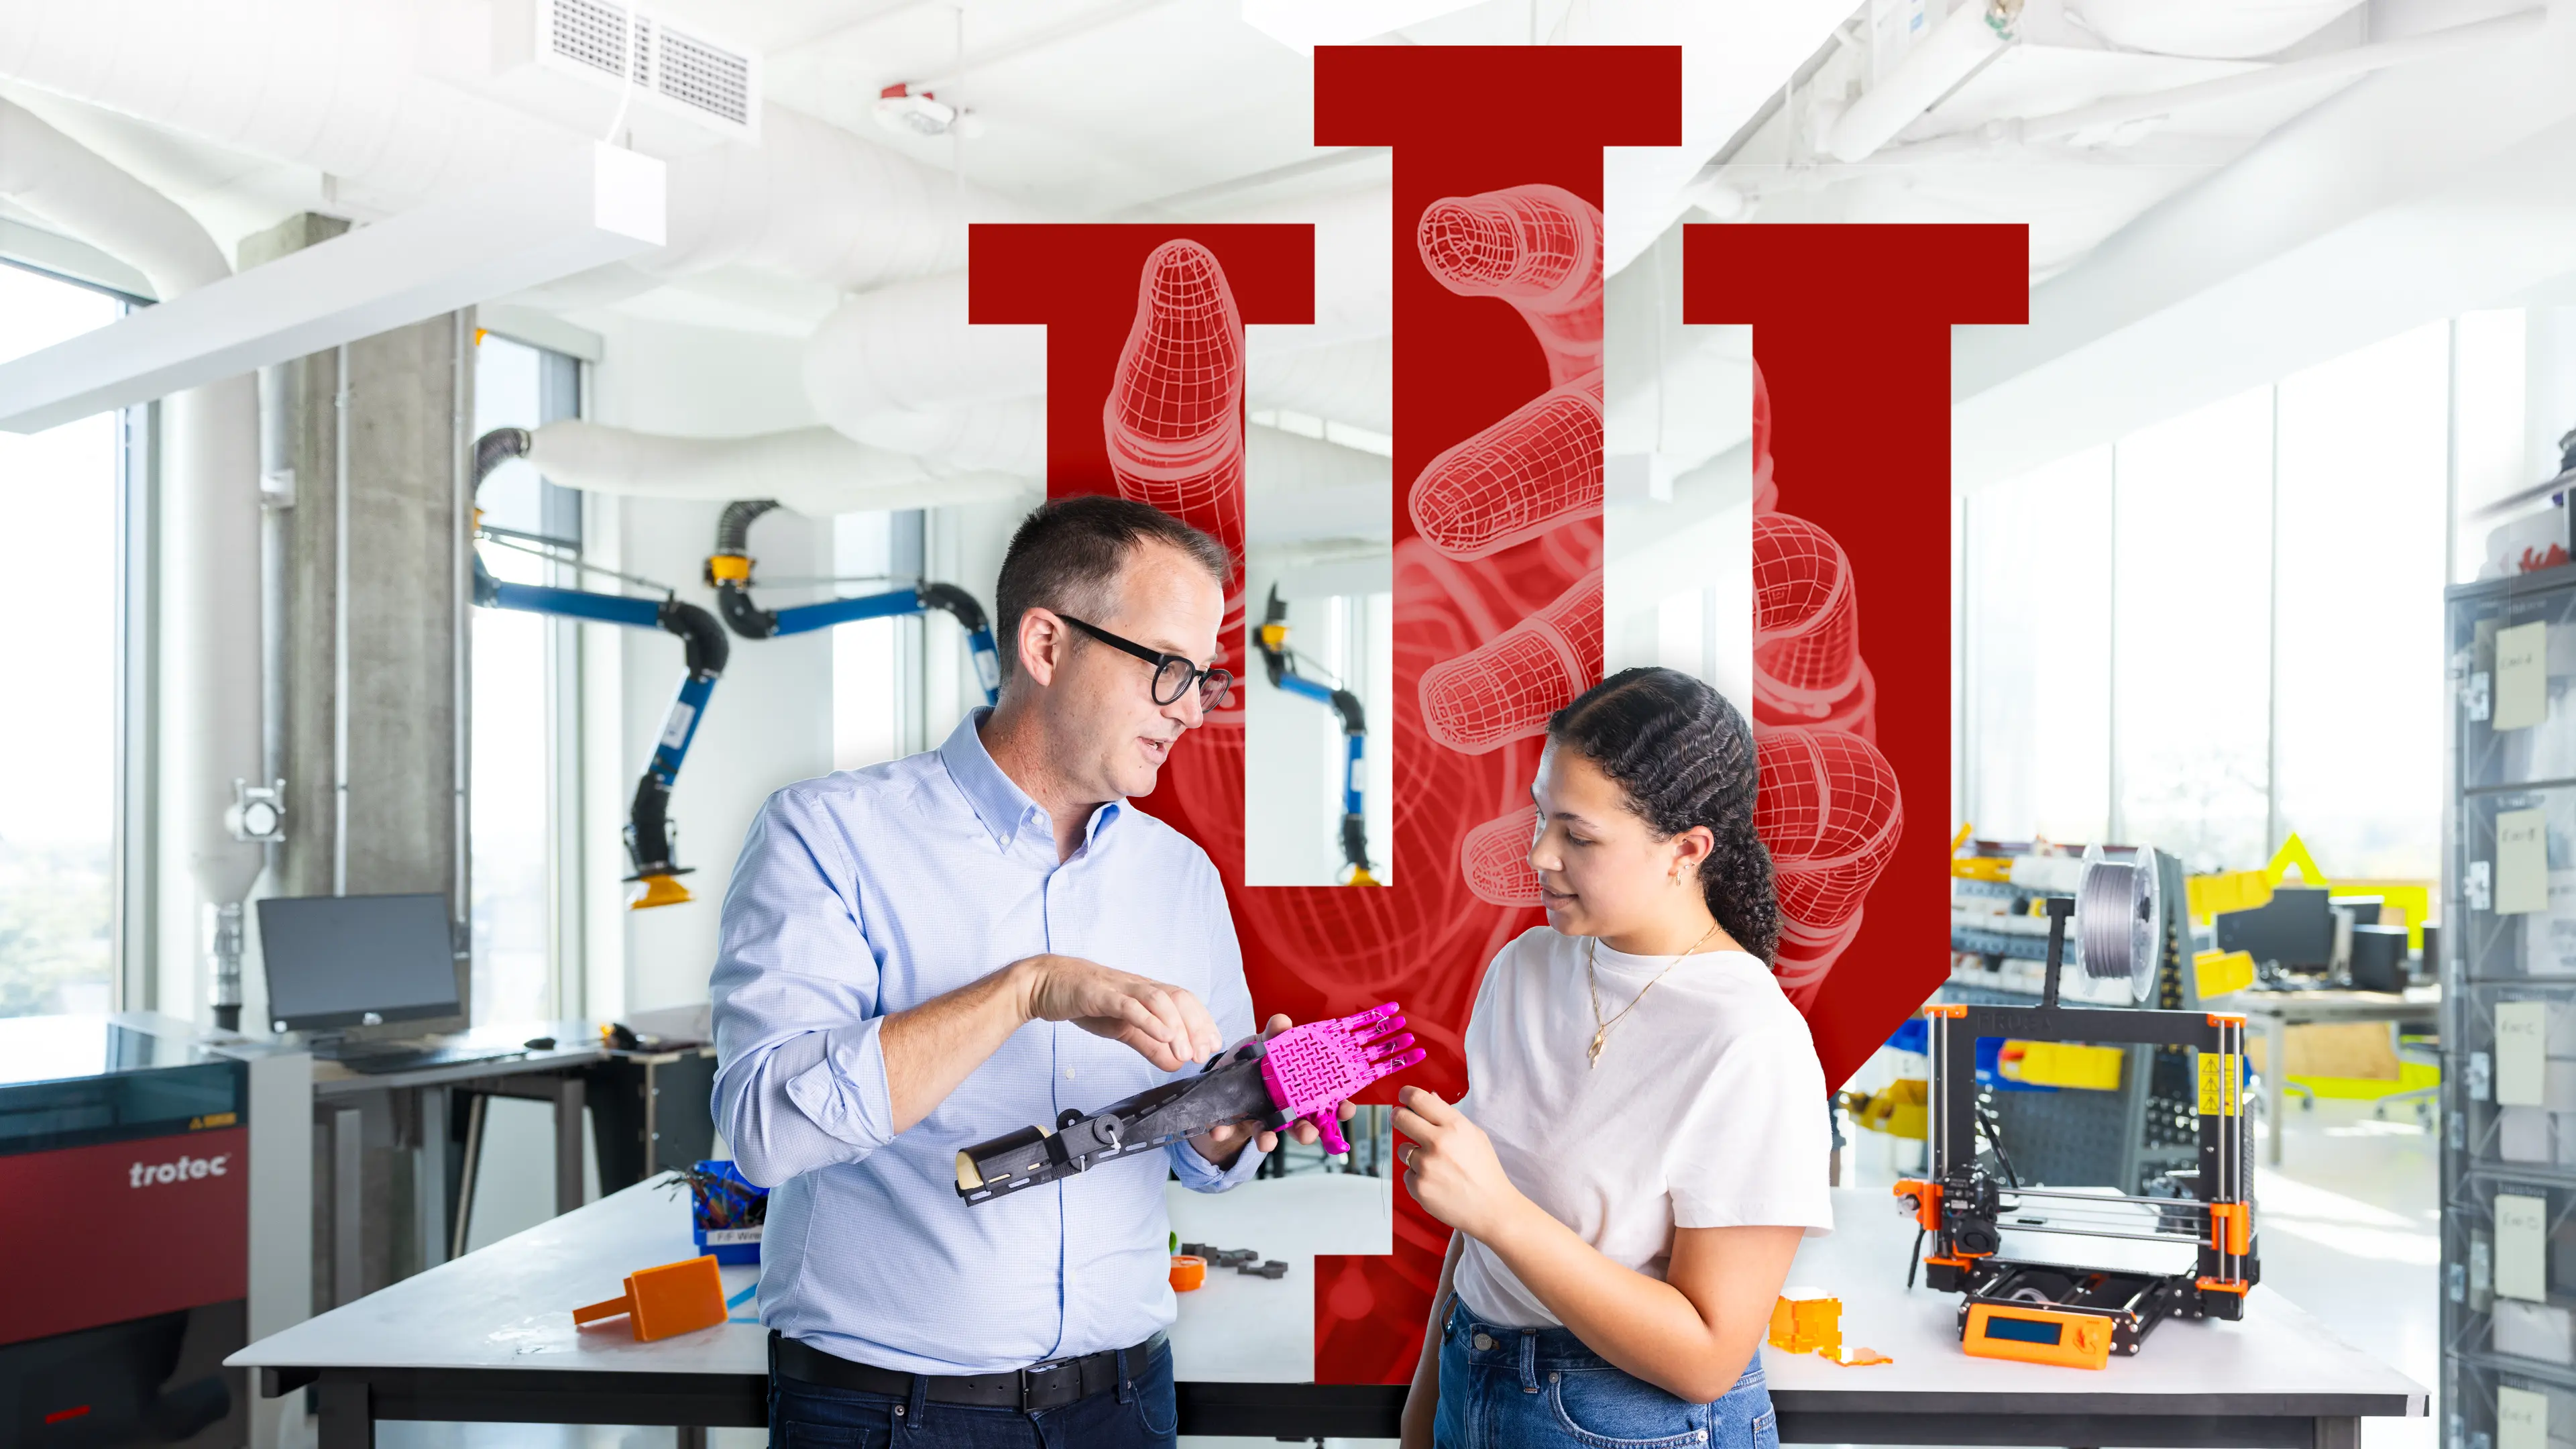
(2058, 1313)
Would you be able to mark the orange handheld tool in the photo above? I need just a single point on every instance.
(659, 1302)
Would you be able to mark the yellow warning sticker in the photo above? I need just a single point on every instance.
(2222, 1079)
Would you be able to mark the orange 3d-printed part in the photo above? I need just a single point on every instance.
(674, 1298)
(1188, 1271)
(1807, 1320)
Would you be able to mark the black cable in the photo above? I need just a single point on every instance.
(1911, 1262)
(1995, 1139)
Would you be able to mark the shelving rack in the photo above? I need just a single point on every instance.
(2508, 1149)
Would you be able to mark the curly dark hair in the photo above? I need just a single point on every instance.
(1685, 757)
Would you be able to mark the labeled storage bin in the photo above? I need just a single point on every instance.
(726, 1211)
(2496, 1406)
(2510, 1271)
(2514, 660)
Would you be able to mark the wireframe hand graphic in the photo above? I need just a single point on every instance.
(1538, 249)
(1830, 811)
(1505, 690)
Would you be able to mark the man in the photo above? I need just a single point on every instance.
(930, 953)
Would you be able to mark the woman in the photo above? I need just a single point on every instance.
(1639, 1150)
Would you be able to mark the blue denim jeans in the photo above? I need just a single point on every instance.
(1540, 1388)
(1137, 1414)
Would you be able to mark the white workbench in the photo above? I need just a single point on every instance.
(490, 1337)
(2277, 1360)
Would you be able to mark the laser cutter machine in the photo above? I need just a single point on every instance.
(2059, 1312)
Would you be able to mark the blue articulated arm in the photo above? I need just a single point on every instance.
(648, 823)
(729, 571)
(1280, 663)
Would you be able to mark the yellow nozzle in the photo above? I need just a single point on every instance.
(1274, 636)
(1359, 876)
(732, 567)
(661, 890)
(480, 333)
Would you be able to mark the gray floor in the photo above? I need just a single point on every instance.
(2350, 1229)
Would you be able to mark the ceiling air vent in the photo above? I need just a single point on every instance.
(675, 70)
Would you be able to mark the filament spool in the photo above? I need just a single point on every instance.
(2119, 922)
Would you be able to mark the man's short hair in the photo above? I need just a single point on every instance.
(1067, 554)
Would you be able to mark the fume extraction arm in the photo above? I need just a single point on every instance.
(729, 573)
(1280, 662)
(705, 647)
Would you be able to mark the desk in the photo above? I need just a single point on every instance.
(2277, 1011)
(489, 1337)
(562, 1075)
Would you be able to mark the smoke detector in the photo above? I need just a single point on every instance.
(903, 110)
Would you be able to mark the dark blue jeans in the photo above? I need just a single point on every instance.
(1137, 1414)
(1540, 1388)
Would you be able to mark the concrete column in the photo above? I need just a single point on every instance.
(403, 813)
(374, 712)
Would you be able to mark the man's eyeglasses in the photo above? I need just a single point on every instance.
(1173, 675)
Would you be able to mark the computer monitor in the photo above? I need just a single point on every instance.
(2294, 929)
(343, 961)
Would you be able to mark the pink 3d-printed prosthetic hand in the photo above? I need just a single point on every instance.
(1303, 1074)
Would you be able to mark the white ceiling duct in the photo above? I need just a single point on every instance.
(57, 178)
(816, 202)
(1346, 382)
(321, 82)
(1007, 435)
(209, 513)
(342, 87)
(1305, 488)
(1299, 489)
(2219, 29)
(908, 346)
(815, 471)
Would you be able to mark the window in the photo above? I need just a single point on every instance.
(2359, 667)
(874, 716)
(2226, 628)
(2039, 615)
(2193, 528)
(61, 492)
(1295, 745)
(524, 790)
(2490, 370)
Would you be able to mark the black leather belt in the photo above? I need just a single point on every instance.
(1039, 1386)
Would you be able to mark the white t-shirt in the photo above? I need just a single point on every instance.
(1706, 1111)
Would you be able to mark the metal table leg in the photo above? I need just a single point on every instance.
(347, 1210)
(2334, 1433)
(347, 1412)
(568, 1180)
(689, 1436)
(429, 1179)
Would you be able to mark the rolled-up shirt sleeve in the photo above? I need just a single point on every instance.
(800, 1074)
(1230, 1003)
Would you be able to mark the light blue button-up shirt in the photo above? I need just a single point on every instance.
(870, 891)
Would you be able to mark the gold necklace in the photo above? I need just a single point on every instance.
(1592, 977)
